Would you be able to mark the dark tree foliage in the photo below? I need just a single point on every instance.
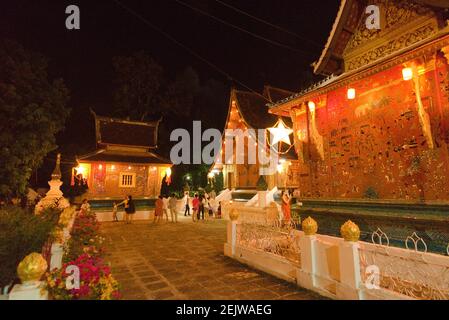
(32, 110)
(138, 79)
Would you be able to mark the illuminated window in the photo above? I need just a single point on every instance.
(127, 180)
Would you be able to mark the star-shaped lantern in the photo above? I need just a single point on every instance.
(280, 133)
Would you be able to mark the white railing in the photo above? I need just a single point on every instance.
(418, 275)
(337, 268)
(277, 240)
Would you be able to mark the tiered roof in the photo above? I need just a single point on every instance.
(125, 141)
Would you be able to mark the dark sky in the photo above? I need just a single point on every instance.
(83, 57)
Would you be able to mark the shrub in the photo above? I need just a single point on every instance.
(22, 232)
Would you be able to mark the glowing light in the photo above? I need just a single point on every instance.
(311, 105)
(280, 168)
(168, 172)
(129, 168)
(100, 166)
(280, 132)
(112, 167)
(407, 74)
(351, 93)
(80, 170)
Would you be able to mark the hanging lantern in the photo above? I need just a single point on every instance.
(351, 93)
(280, 133)
(407, 74)
(311, 106)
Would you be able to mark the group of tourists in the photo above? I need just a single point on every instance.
(202, 208)
(164, 206)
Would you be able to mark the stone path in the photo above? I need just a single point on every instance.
(185, 261)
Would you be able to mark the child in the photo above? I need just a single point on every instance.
(114, 212)
(158, 210)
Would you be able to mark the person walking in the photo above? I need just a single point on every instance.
(196, 208)
(186, 200)
(201, 208)
(130, 209)
(114, 212)
(158, 210)
(210, 207)
(172, 203)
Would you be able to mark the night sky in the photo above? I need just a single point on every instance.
(83, 57)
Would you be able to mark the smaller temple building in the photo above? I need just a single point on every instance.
(125, 161)
(248, 110)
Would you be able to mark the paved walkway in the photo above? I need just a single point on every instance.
(185, 261)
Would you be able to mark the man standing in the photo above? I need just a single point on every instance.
(172, 207)
(186, 200)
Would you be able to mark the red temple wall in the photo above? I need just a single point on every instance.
(374, 146)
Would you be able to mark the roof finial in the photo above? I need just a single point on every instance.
(56, 175)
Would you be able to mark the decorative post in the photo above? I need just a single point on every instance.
(306, 274)
(350, 278)
(54, 197)
(229, 248)
(30, 271)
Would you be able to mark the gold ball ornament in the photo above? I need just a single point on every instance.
(233, 215)
(350, 231)
(32, 268)
(309, 226)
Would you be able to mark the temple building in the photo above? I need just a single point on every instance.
(125, 161)
(378, 126)
(248, 110)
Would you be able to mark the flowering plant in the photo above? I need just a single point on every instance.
(84, 237)
(95, 281)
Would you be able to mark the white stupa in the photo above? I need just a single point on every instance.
(54, 197)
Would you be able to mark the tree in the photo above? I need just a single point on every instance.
(32, 111)
(138, 79)
(179, 98)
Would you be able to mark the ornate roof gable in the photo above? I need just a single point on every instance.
(352, 45)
